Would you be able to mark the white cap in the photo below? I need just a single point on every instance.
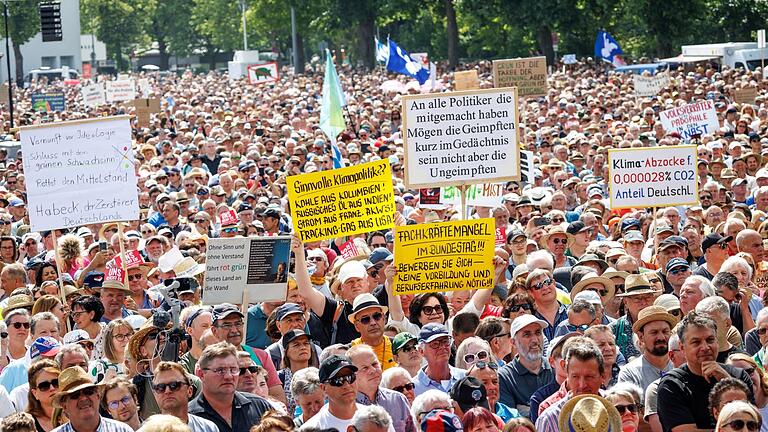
(590, 296)
(762, 173)
(667, 301)
(76, 336)
(352, 269)
(523, 321)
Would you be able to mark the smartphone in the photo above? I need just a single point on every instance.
(541, 221)
(261, 171)
(259, 131)
(102, 245)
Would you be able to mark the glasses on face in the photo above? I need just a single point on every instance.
(432, 310)
(116, 404)
(225, 371)
(751, 425)
(478, 356)
(230, 230)
(47, 385)
(723, 246)
(375, 317)
(676, 312)
(517, 307)
(560, 241)
(486, 364)
(440, 343)
(624, 408)
(250, 369)
(408, 348)
(578, 328)
(557, 220)
(122, 337)
(135, 277)
(340, 381)
(86, 344)
(705, 197)
(404, 387)
(677, 270)
(174, 386)
(541, 284)
(232, 325)
(87, 392)
(19, 325)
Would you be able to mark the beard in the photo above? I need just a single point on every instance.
(659, 350)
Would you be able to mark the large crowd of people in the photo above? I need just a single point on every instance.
(600, 319)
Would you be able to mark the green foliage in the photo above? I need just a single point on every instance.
(120, 24)
(24, 20)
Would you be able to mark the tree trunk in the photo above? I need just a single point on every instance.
(163, 48)
(301, 61)
(544, 37)
(365, 30)
(452, 30)
(19, 64)
(211, 51)
(119, 55)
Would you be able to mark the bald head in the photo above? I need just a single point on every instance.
(751, 242)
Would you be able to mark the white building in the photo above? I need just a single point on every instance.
(67, 52)
(87, 43)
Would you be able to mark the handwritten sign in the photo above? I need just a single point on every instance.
(650, 85)
(342, 202)
(482, 195)
(93, 95)
(689, 120)
(48, 102)
(265, 72)
(745, 95)
(80, 173)
(461, 138)
(466, 80)
(118, 91)
(256, 264)
(144, 110)
(652, 176)
(529, 75)
(570, 59)
(447, 256)
(144, 87)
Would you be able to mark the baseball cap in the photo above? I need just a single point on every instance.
(352, 269)
(440, 420)
(400, 340)
(44, 347)
(713, 239)
(629, 223)
(432, 331)
(286, 309)
(76, 336)
(224, 310)
(633, 235)
(676, 241)
(676, 262)
(662, 228)
(334, 364)
(576, 227)
(380, 254)
(589, 296)
(93, 279)
(669, 302)
(469, 392)
(292, 335)
(523, 321)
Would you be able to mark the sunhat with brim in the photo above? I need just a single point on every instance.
(556, 230)
(363, 302)
(18, 301)
(109, 225)
(593, 278)
(188, 267)
(653, 313)
(637, 284)
(590, 257)
(589, 413)
(113, 284)
(611, 272)
(72, 380)
(139, 338)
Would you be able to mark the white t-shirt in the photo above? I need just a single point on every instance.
(20, 397)
(324, 420)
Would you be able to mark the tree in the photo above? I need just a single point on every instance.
(23, 24)
(171, 30)
(120, 24)
(218, 23)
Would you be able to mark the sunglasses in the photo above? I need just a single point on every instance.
(230, 230)
(678, 313)
(517, 307)
(86, 344)
(486, 364)
(677, 270)
(751, 425)
(174, 386)
(87, 392)
(404, 387)
(250, 369)
(560, 241)
(134, 277)
(375, 317)
(340, 381)
(432, 310)
(558, 220)
(408, 348)
(472, 358)
(47, 385)
(624, 408)
(18, 325)
(578, 328)
(541, 284)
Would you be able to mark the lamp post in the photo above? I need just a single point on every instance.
(8, 61)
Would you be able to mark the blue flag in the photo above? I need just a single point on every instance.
(608, 49)
(382, 51)
(399, 61)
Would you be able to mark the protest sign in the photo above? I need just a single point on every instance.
(122, 90)
(569, 59)
(48, 102)
(501, 237)
(144, 109)
(257, 264)
(689, 120)
(144, 87)
(79, 173)
(745, 95)
(529, 75)
(652, 177)
(461, 138)
(93, 95)
(265, 72)
(527, 169)
(447, 256)
(650, 85)
(342, 202)
(132, 258)
(482, 195)
(430, 198)
(466, 80)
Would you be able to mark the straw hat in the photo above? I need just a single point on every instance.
(18, 301)
(637, 284)
(140, 338)
(653, 313)
(589, 413)
(592, 278)
(71, 380)
(114, 284)
(556, 230)
(109, 225)
(188, 267)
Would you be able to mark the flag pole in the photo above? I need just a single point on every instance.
(59, 267)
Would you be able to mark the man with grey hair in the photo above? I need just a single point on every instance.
(716, 309)
(11, 277)
(693, 290)
(431, 399)
(370, 418)
(307, 393)
(757, 339)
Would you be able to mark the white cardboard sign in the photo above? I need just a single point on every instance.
(692, 119)
(118, 91)
(652, 177)
(650, 85)
(93, 95)
(80, 173)
(461, 138)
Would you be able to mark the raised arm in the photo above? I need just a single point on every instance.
(314, 298)
(395, 307)
(481, 296)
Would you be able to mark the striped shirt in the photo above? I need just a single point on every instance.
(106, 425)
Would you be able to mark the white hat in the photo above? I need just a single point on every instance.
(352, 269)
(590, 296)
(76, 336)
(523, 321)
(668, 301)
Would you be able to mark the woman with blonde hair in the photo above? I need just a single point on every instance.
(759, 378)
(111, 362)
(52, 304)
(738, 416)
(273, 421)
(43, 384)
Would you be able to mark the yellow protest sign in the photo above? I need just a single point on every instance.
(448, 256)
(466, 80)
(342, 202)
(529, 75)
